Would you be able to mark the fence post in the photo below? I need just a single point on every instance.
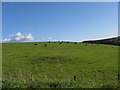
(118, 77)
(75, 78)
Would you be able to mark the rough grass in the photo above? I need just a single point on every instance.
(26, 65)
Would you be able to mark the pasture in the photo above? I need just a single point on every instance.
(65, 65)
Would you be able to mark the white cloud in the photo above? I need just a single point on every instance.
(16, 35)
(19, 37)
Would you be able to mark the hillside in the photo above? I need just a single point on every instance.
(59, 65)
(110, 41)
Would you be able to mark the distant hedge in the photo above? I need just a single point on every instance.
(110, 41)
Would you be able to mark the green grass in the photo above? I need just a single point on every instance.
(26, 65)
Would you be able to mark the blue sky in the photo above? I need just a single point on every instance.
(60, 20)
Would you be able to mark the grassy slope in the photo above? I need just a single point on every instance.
(94, 65)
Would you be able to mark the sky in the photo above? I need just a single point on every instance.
(74, 21)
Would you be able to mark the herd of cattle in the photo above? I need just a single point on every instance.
(60, 43)
(93, 44)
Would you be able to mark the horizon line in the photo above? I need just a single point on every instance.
(61, 40)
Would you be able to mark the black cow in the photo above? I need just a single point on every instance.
(45, 45)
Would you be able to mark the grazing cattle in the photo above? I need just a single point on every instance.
(60, 43)
(45, 45)
(35, 44)
(75, 43)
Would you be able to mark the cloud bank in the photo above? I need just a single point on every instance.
(19, 37)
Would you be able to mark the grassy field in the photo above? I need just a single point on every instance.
(66, 65)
